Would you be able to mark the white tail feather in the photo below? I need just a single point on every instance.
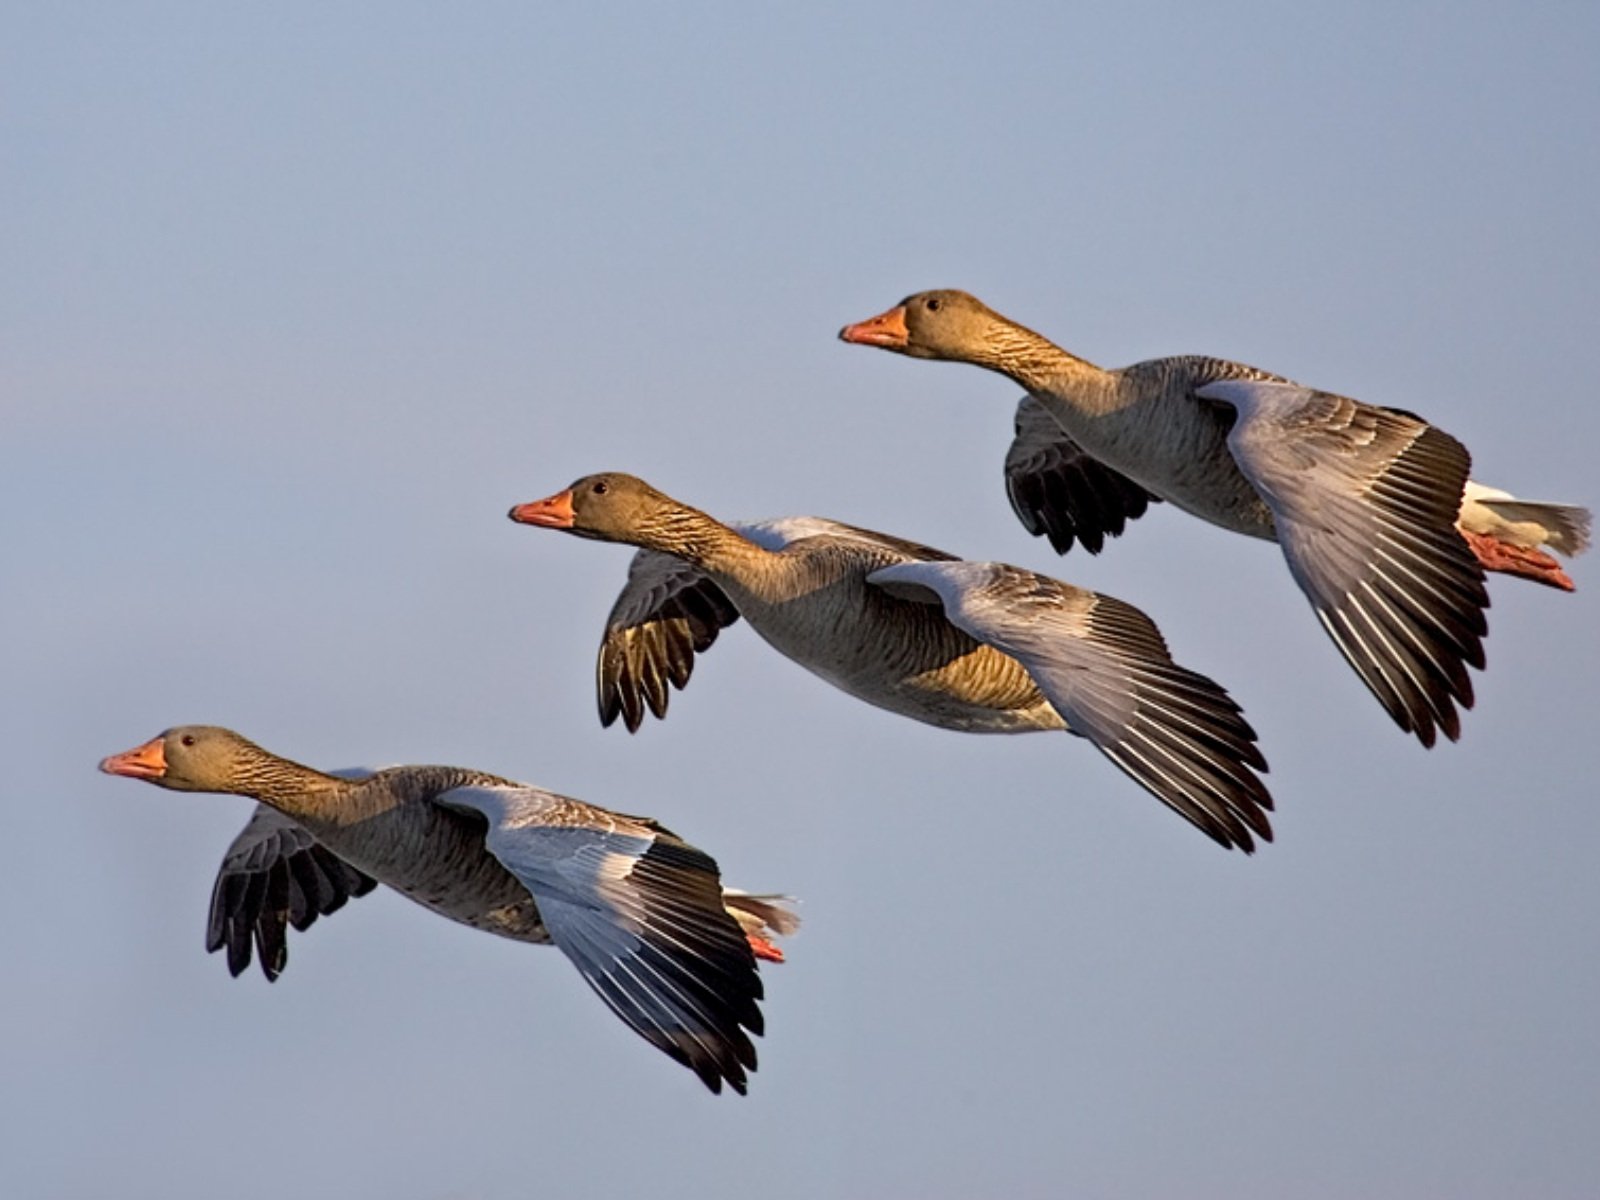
(1530, 524)
(765, 914)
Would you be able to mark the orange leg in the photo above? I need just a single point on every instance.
(1495, 555)
(763, 948)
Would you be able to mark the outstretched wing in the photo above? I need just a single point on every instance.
(667, 613)
(275, 874)
(1104, 667)
(1365, 500)
(640, 914)
(1058, 491)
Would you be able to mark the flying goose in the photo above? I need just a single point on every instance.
(975, 646)
(640, 912)
(1372, 506)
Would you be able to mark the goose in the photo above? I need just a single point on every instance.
(980, 647)
(640, 912)
(1372, 507)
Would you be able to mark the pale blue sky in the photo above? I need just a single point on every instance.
(298, 302)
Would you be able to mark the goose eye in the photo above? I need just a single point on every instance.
(187, 739)
(600, 488)
(933, 304)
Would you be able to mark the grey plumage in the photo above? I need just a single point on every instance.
(975, 647)
(638, 911)
(1373, 508)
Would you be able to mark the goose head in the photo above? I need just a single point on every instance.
(187, 758)
(943, 324)
(609, 507)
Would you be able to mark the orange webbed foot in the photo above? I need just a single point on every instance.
(1496, 555)
(763, 948)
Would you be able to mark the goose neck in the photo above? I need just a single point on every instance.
(296, 790)
(702, 541)
(1035, 362)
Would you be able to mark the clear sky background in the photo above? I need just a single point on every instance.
(297, 301)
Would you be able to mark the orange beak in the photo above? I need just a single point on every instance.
(553, 512)
(148, 761)
(887, 330)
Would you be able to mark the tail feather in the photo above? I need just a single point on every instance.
(762, 918)
(767, 913)
(1565, 526)
(1526, 524)
(1515, 536)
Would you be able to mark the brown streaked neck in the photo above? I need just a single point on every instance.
(295, 790)
(700, 540)
(1034, 361)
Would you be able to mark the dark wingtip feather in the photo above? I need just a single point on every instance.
(1067, 497)
(266, 887)
(238, 946)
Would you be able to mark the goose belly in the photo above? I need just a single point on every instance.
(1180, 453)
(947, 680)
(1224, 498)
(438, 859)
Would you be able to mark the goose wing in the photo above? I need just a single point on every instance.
(1058, 491)
(667, 613)
(1104, 667)
(275, 874)
(640, 914)
(1365, 500)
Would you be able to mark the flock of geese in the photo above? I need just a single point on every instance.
(1373, 508)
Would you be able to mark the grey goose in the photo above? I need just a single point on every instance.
(641, 913)
(980, 647)
(1373, 508)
